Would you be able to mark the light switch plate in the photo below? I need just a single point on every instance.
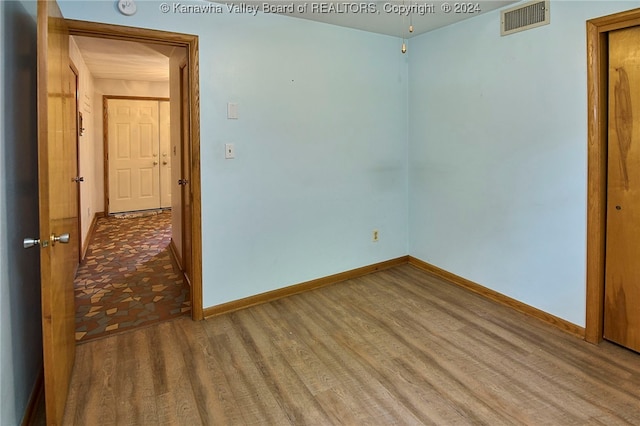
(232, 111)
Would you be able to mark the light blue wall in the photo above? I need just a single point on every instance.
(498, 155)
(20, 314)
(496, 146)
(321, 145)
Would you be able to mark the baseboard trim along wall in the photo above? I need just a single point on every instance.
(92, 230)
(451, 278)
(178, 260)
(174, 252)
(302, 287)
(499, 298)
(37, 393)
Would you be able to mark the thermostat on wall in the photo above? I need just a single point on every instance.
(127, 7)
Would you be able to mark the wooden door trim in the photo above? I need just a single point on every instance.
(77, 120)
(185, 193)
(136, 98)
(597, 107)
(191, 43)
(105, 137)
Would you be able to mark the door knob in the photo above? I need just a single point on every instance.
(30, 242)
(164, 163)
(183, 182)
(77, 179)
(62, 239)
(155, 163)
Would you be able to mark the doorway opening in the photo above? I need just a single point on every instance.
(597, 92)
(137, 160)
(179, 49)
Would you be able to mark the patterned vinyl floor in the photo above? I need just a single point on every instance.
(129, 278)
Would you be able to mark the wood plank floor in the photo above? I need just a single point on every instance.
(396, 347)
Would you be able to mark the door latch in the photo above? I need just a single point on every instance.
(31, 242)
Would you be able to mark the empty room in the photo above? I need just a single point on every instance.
(399, 213)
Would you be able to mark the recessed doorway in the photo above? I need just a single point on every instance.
(181, 51)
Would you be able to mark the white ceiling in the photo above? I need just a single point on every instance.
(123, 60)
(384, 17)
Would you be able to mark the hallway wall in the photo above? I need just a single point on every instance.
(88, 144)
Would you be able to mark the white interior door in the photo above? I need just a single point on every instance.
(165, 155)
(134, 164)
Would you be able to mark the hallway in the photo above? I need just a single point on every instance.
(129, 277)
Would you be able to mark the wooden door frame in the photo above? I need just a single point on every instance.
(189, 42)
(105, 137)
(185, 193)
(77, 121)
(597, 129)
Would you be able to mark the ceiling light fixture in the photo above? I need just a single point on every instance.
(411, 19)
(406, 11)
(404, 39)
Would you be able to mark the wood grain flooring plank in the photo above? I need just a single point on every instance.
(92, 396)
(79, 389)
(454, 347)
(210, 388)
(397, 347)
(298, 348)
(377, 345)
(561, 393)
(360, 393)
(470, 355)
(588, 377)
(297, 402)
(554, 396)
(174, 395)
(247, 386)
(496, 376)
(369, 379)
(307, 350)
(134, 380)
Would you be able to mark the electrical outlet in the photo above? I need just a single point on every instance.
(375, 236)
(229, 151)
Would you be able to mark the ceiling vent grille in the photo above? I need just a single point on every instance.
(524, 17)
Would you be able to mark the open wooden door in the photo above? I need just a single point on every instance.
(58, 205)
